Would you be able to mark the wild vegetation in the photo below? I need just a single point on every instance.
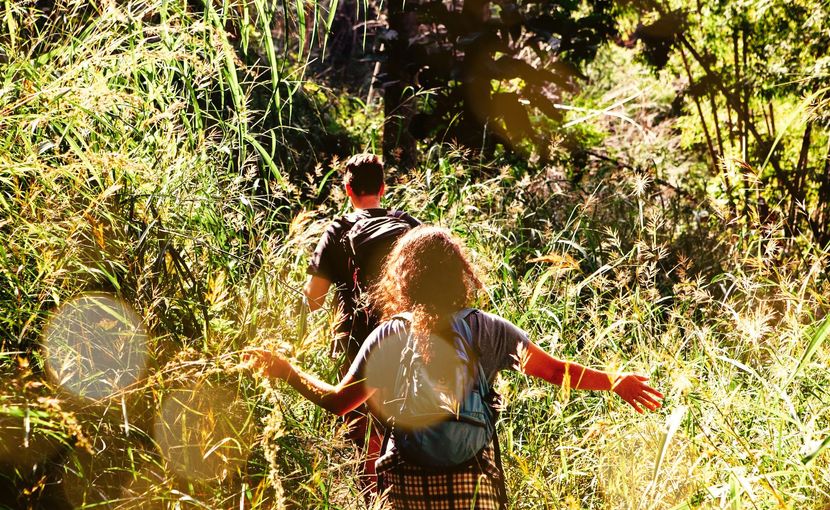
(167, 166)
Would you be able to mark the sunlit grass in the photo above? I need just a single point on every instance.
(122, 174)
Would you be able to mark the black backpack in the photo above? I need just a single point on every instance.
(368, 243)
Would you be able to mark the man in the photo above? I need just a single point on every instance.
(345, 258)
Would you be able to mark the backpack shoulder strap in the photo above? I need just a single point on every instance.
(466, 331)
(462, 328)
(352, 218)
(407, 351)
(349, 221)
(403, 216)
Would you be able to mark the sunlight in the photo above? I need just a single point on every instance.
(628, 466)
(445, 367)
(203, 432)
(96, 345)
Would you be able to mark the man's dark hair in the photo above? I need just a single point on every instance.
(364, 174)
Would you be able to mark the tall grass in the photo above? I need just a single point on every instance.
(740, 353)
(133, 163)
(744, 420)
(129, 165)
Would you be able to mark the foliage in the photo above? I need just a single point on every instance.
(489, 68)
(122, 171)
(757, 84)
(128, 167)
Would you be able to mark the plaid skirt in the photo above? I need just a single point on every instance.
(474, 485)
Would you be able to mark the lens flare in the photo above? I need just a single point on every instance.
(204, 432)
(96, 345)
(447, 375)
(627, 473)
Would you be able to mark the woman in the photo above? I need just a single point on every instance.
(428, 275)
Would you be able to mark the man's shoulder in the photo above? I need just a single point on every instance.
(349, 220)
(341, 225)
(403, 215)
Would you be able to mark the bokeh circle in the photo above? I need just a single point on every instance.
(96, 346)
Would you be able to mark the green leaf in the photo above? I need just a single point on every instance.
(809, 457)
(819, 335)
(301, 28)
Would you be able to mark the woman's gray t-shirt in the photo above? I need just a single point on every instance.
(496, 340)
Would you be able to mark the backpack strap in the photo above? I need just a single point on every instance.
(467, 337)
(390, 422)
(500, 482)
(466, 333)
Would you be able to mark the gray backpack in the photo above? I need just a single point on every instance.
(442, 423)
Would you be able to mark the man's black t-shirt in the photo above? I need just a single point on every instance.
(331, 261)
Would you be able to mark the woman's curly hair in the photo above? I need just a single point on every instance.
(428, 274)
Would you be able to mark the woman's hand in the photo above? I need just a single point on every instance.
(268, 362)
(633, 389)
(340, 399)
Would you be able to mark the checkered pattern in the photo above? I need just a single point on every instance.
(471, 486)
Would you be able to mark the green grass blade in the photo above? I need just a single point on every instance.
(672, 424)
(269, 161)
(817, 339)
(329, 20)
(301, 28)
(802, 106)
(809, 457)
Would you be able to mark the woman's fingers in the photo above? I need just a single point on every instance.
(258, 359)
(249, 358)
(648, 402)
(654, 392)
(643, 379)
(636, 407)
(639, 394)
(645, 397)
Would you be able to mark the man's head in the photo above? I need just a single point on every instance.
(364, 176)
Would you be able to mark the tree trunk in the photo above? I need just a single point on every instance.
(399, 105)
(820, 219)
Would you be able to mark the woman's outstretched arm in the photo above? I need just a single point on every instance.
(339, 399)
(630, 387)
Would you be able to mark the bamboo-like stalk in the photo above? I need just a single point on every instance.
(820, 217)
(747, 109)
(737, 64)
(709, 146)
(800, 174)
(716, 118)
